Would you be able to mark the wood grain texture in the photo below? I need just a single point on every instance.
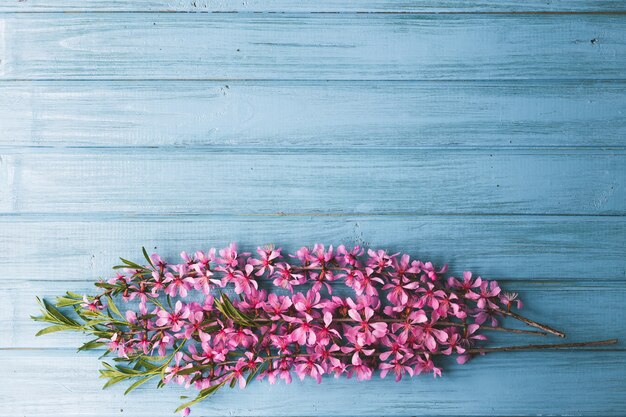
(547, 301)
(314, 114)
(320, 47)
(324, 182)
(498, 384)
(498, 247)
(490, 135)
(328, 6)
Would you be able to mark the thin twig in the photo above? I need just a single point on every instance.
(539, 347)
(439, 323)
(531, 322)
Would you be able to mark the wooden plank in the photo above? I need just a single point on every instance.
(328, 6)
(547, 302)
(568, 383)
(197, 181)
(313, 46)
(502, 247)
(314, 114)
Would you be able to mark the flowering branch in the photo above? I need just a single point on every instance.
(178, 324)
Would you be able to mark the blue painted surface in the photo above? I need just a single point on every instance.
(495, 142)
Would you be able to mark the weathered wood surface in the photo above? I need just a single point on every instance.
(498, 384)
(490, 135)
(313, 182)
(503, 247)
(320, 115)
(322, 6)
(313, 47)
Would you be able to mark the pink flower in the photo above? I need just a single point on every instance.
(179, 283)
(118, 344)
(426, 365)
(397, 366)
(430, 336)
(429, 270)
(357, 346)
(277, 305)
(229, 256)
(488, 293)
(322, 278)
(244, 282)
(430, 296)
(322, 256)
(326, 334)
(172, 371)
(281, 370)
(467, 284)
(268, 256)
(306, 304)
(366, 284)
(363, 372)
(93, 305)
(349, 257)
(404, 266)
(378, 260)
(174, 319)
(304, 333)
(371, 331)
(208, 354)
(398, 294)
(285, 277)
(397, 346)
(454, 342)
(203, 259)
(237, 374)
(203, 280)
(510, 298)
(242, 337)
(306, 366)
(410, 325)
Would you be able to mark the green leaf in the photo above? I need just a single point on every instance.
(203, 395)
(133, 265)
(145, 255)
(113, 381)
(69, 300)
(55, 328)
(92, 344)
(114, 308)
(229, 310)
(138, 383)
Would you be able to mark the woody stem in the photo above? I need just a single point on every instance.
(531, 322)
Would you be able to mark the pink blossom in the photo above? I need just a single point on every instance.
(244, 282)
(268, 256)
(371, 331)
(304, 332)
(349, 257)
(488, 293)
(174, 319)
(171, 372)
(510, 298)
(178, 283)
(306, 304)
(306, 366)
(398, 366)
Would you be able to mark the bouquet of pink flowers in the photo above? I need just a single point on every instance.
(225, 317)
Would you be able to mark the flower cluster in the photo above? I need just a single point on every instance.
(225, 317)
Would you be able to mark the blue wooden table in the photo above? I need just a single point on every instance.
(487, 134)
